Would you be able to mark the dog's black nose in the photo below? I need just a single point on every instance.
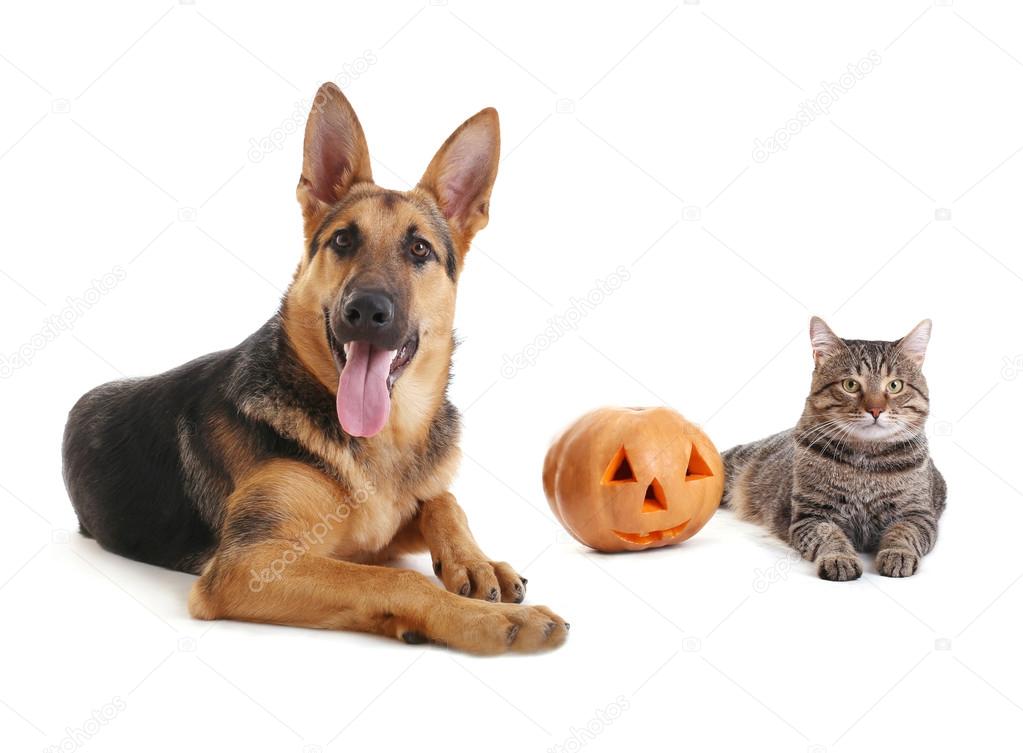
(371, 314)
(369, 311)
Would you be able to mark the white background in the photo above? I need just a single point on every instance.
(126, 148)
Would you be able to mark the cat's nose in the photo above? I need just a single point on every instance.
(875, 412)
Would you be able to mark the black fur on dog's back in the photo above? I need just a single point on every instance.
(123, 469)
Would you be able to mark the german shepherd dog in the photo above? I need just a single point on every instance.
(285, 471)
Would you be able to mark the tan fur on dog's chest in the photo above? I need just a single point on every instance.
(371, 511)
(369, 523)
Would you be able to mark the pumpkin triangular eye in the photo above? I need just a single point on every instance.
(698, 467)
(655, 500)
(619, 470)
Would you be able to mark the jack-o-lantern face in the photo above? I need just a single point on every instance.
(633, 478)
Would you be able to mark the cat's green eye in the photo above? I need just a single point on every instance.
(895, 386)
(851, 386)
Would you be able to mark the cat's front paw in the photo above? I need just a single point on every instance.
(897, 563)
(839, 567)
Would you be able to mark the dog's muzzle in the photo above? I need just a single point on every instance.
(370, 340)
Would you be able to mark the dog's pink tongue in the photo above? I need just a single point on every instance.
(363, 402)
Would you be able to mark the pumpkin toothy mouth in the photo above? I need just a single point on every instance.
(649, 538)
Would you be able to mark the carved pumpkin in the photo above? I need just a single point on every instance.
(633, 478)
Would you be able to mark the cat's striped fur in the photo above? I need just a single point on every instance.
(855, 473)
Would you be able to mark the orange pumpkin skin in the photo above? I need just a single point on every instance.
(625, 479)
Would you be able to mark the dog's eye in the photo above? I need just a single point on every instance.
(420, 249)
(342, 240)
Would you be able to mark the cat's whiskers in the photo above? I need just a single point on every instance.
(846, 426)
(907, 432)
(821, 431)
(838, 440)
(818, 426)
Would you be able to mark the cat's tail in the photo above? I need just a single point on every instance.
(773, 451)
(735, 459)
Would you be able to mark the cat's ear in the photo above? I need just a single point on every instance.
(825, 343)
(914, 345)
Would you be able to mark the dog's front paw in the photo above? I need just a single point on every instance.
(839, 567)
(480, 578)
(533, 629)
(500, 628)
(897, 563)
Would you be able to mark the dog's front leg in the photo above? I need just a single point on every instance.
(457, 558)
(268, 568)
(320, 592)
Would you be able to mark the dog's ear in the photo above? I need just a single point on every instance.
(335, 157)
(461, 175)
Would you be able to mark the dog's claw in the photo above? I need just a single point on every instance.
(413, 637)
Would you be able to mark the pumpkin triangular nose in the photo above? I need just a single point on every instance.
(654, 501)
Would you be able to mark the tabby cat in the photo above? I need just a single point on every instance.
(855, 474)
